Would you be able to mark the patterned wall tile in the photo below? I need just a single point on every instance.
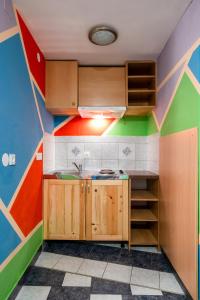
(75, 151)
(127, 151)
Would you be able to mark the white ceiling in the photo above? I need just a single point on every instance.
(61, 27)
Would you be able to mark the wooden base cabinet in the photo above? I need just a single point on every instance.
(107, 210)
(62, 210)
(86, 209)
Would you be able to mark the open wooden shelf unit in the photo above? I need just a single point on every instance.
(140, 86)
(144, 212)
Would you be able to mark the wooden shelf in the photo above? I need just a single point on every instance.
(138, 110)
(141, 77)
(143, 215)
(144, 211)
(143, 195)
(141, 91)
(142, 237)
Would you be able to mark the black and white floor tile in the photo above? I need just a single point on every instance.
(87, 271)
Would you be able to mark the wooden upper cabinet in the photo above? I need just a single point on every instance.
(62, 87)
(102, 86)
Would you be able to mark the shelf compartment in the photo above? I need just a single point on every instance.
(143, 215)
(140, 68)
(141, 82)
(143, 195)
(141, 98)
(139, 110)
(143, 237)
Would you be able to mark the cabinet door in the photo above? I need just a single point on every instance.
(62, 86)
(63, 210)
(105, 209)
(102, 86)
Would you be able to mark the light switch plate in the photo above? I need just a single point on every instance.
(39, 156)
(12, 159)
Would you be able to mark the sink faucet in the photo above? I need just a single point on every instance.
(79, 167)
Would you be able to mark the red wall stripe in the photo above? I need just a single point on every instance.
(79, 127)
(27, 208)
(32, 49)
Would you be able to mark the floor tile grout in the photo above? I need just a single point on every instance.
(104, 270)
(80, 265)
(136, 259)
(77, 272)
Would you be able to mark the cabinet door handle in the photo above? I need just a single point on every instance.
(88, 186)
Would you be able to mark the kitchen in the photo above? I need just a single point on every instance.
(99, 149)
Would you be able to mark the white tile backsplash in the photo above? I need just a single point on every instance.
(153, 153)
(61, 151)
(92, 150)
(126, 153)
(109, 151)
(110, 164)
(61, 164)
(92, 164)
(141, 151)
(125, 164)
(141, 165)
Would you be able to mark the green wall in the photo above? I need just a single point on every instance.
(151, 125)
(13, 271)
(134, 126)
(184, 112)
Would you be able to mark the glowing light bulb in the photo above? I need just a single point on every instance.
(98, 123)
(99, 117)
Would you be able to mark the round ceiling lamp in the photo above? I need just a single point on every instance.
(102, 35)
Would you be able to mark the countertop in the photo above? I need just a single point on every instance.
(141, 174)
(91, 174)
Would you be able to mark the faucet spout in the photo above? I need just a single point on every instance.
(78, 167)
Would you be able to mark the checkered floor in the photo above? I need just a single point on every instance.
(87, 271)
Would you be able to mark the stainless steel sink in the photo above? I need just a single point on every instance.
(68, 174)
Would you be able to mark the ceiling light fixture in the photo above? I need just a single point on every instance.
(102, 35)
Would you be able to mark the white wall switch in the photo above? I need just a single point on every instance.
(8, 159)
(39, 156)
(12, 159)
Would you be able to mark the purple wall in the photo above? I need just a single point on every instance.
(186, 33)
(164, 95)
(7, 18)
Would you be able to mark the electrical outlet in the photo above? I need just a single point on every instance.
(39, 156)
